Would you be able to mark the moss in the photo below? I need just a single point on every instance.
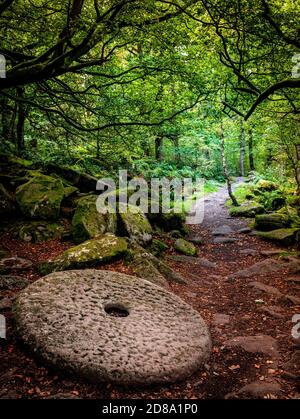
(185, 247)
(273, 221)
(266, 185)
(6, 202)
(136, 224)
(39, 231)
(88, 222)
(40, 197)
(70, 190)
(100, 250)
(246, 210)
(157, 247)
(285, 236)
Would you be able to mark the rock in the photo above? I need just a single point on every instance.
(100, 250)
(222, 231)
(136, 225)
(260, 268)
(220, 319)
(14, 263)
(6, 303)
(195, 239)
(291, 299)
(112, 327)
(185, 247)
(168, 221)
(176, 234)
(41, 197)
(39, 231)
(269, 222)
(7, 206)
(157, 247)
(294, 279)
(12, 282)
(223, 240)
(286, 236)
(259, 286)
(293, 365)
(205, 263)
(266, 185)
(145, 269)
(257, 389)
(83, 181)
(88, 223)
(244, 230)
(272, 311)
(246, 210)
(70, 190)
(249, 252)
(260, 344)
(274, 252)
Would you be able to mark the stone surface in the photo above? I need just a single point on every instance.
(195, 239)
(244, 230)
(88, 223)
(39, 231)
(224, 240)
(185, 247)
(12, 282)
(223, 230)
(260, 268)
(62, 318)
(255, 344)
(136, 225)
(286, 236)
(205, 263)
(14, 263)
(247, 210)
(272, 311)
(41, 197)
(257, 389)
(103, 249)
(249, 252)
(269, 222)
(259, 286)
(221, 319)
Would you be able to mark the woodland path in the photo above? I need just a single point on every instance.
(249, 315)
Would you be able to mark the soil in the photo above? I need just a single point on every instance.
(231, 308)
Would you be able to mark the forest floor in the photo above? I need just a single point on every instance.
(252, 307)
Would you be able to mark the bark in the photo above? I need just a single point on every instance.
(242, 150)
(250, 145)
(20, 122)
(158, 148)
(225, 170)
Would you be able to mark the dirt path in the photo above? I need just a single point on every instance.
(248, 313)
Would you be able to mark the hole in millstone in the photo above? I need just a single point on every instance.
(116, 310)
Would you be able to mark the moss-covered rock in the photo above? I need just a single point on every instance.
(100, 250)
(266, 185)
(41, 197)
(88, 223)
(168, 221)
(157, 247)
(83, 181)
(185, 247)
(269, 222)
(286, 236)
(40, 231)
(70, 190)
(246, 210)
(136, 224)
(7, 206)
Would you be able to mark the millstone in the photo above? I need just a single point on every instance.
(108, 326)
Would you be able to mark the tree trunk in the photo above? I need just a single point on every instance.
(242, 149)
(225, 170)
(250, 145)
(158, 148)
(20, 122)
(176, 149)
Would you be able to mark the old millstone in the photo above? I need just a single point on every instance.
(67, 319)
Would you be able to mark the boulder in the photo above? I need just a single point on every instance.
(106, 326)
(266, 185)
(157, 247)
(41, 197)
(83, 181)
(88, 223)
(7, 206)
(135, 224)
(269, 222)
(169, 221)
(185, 247)
(246, 210)
(286, 236)
(39, 231)
(100, 250)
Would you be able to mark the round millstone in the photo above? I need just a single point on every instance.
(108, 326)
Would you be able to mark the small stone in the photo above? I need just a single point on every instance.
(291, 299)
(249, 252)
(223, 240)
(257, 389)
(259, 286)
(185, 247)
(293, 365)
(244, 230)
(272, 311)
(255, 344)
(222, 231)
(220, 319)
(14, 263)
